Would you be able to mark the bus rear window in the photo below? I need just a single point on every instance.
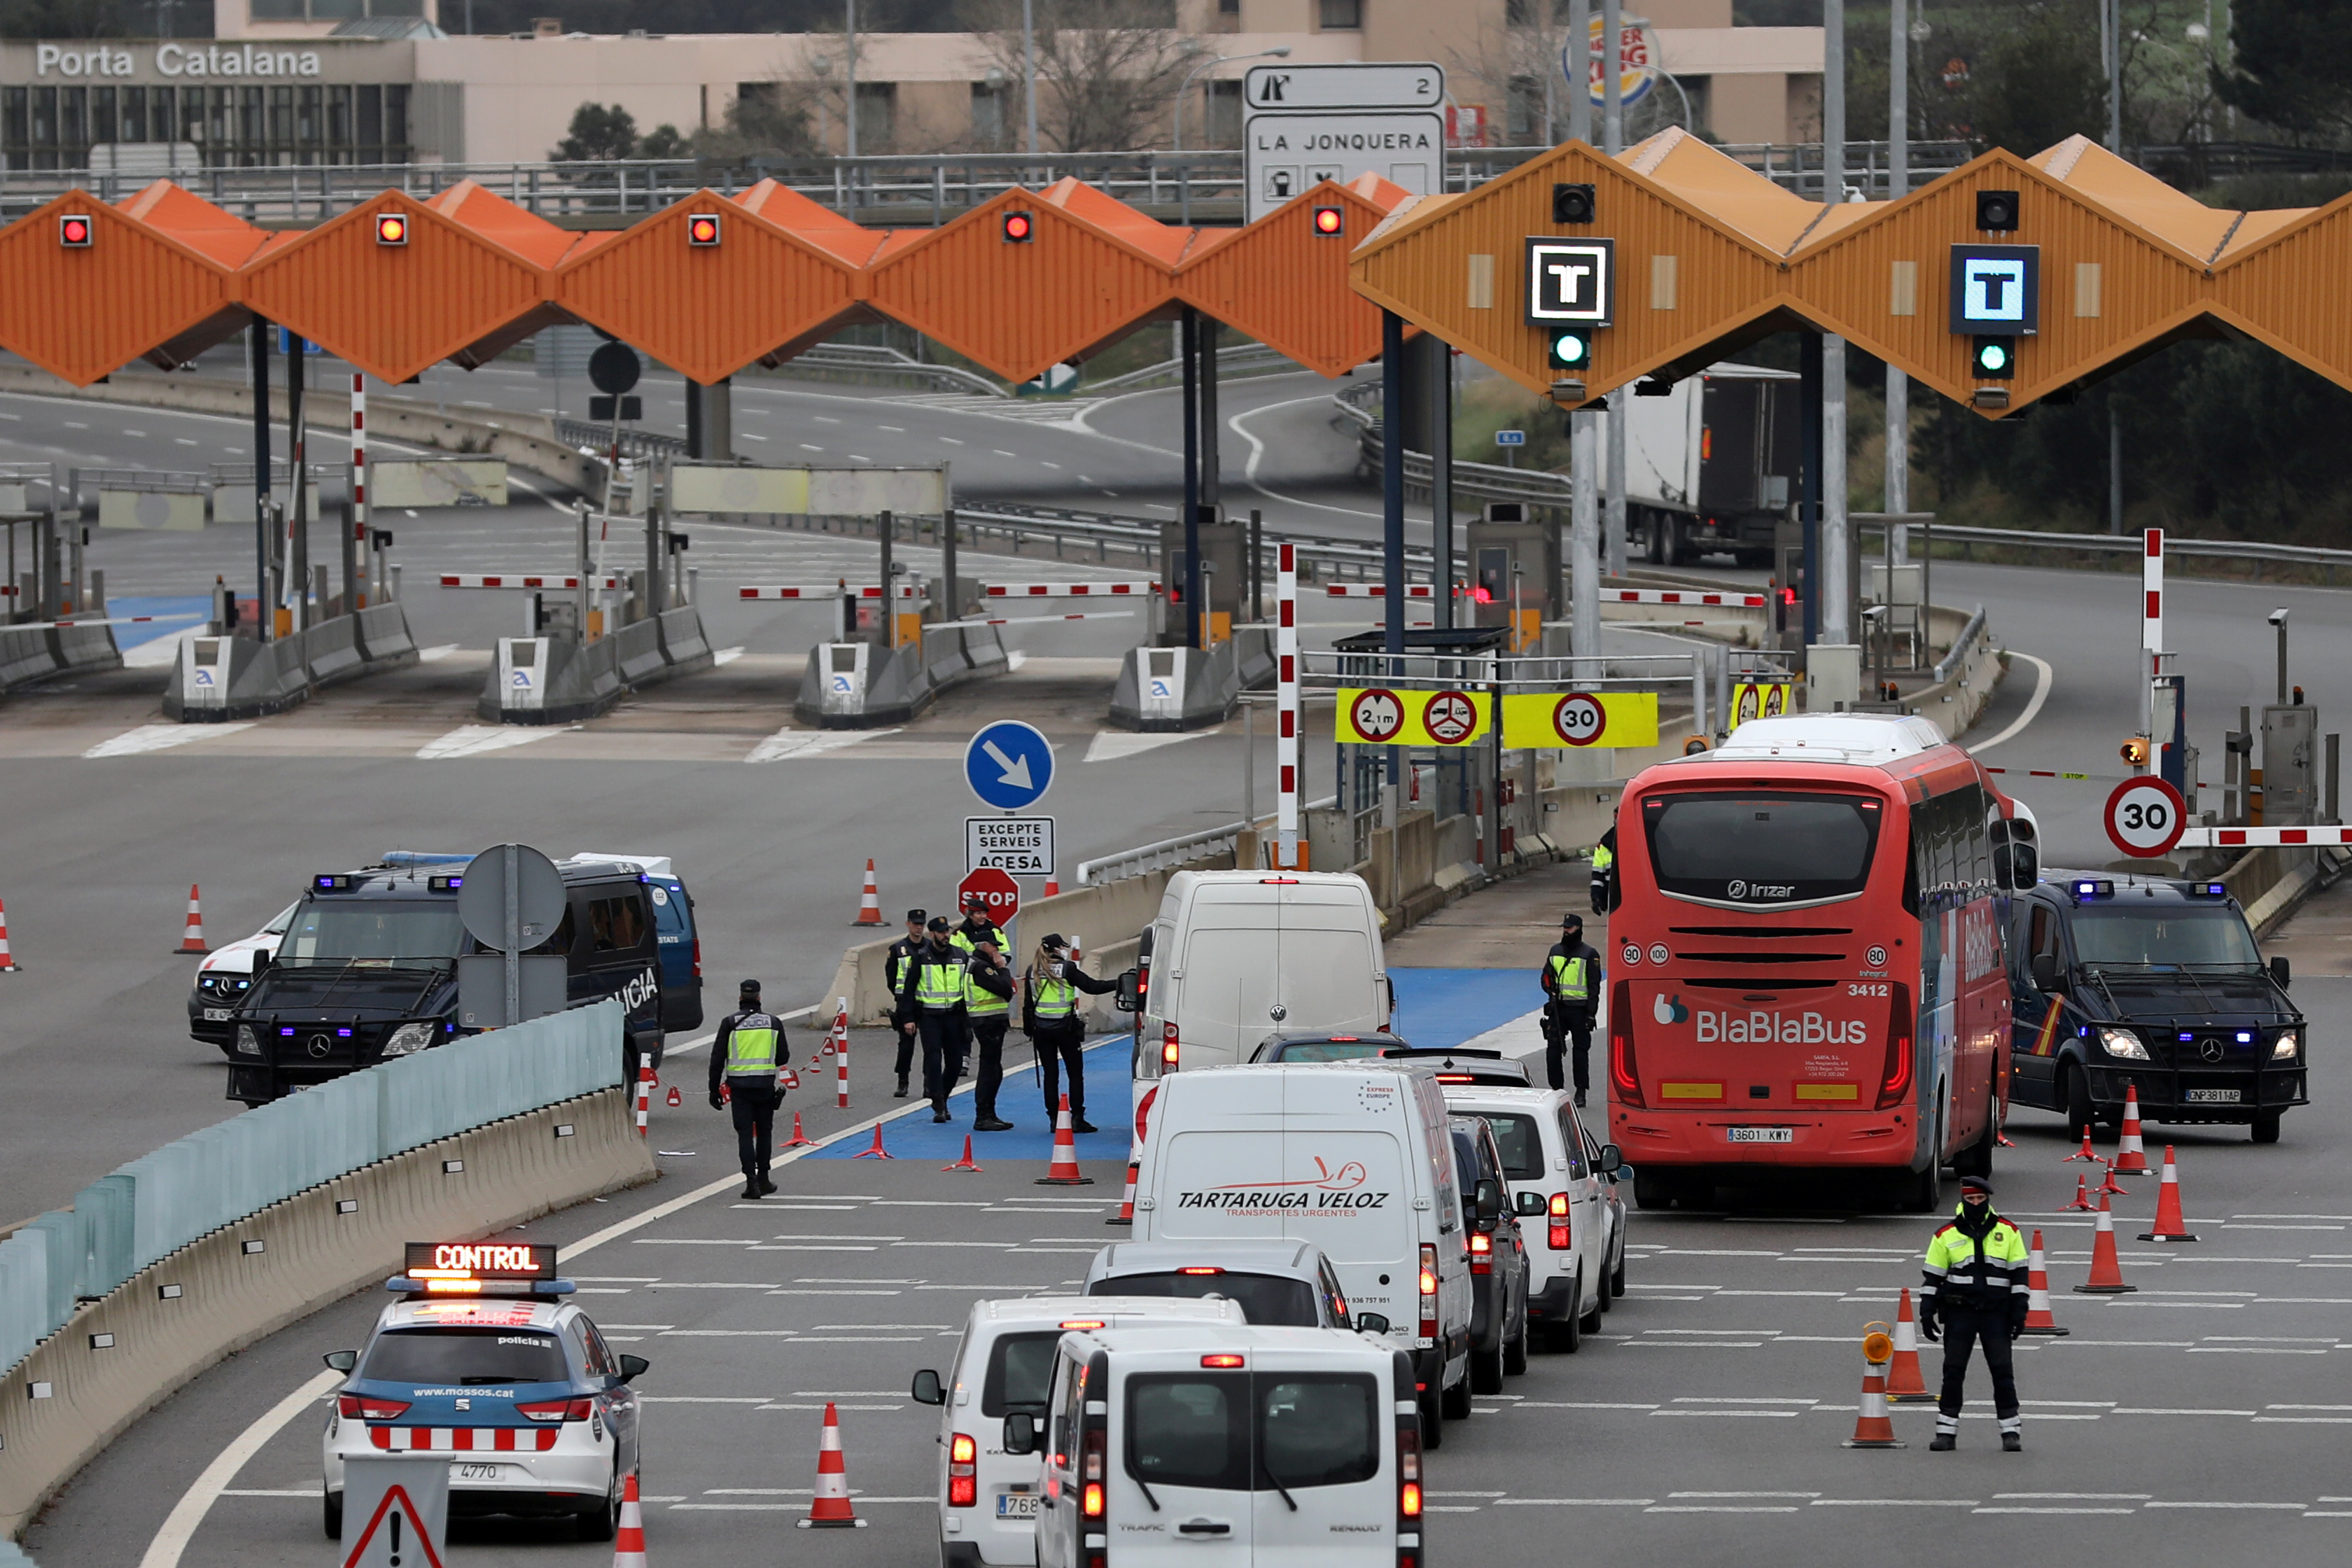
(1761, 849)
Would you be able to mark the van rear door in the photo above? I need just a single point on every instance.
(1320, 1435)
(1183, 1432)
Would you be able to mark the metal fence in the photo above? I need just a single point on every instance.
(1181, 851)
(159, 1202)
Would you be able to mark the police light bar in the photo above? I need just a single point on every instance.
(392, 228)
(1330, 221)
(74, 231)
(2204, 889)
(702, 229)
(341, 882)
(2088, 888)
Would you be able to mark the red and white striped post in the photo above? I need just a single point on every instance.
(841, 1054)
(2151, 636)
(359, 481)
(1286, 744)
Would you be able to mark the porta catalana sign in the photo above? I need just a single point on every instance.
(227, 62)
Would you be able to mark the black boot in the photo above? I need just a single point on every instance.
(1944, 1443)
(1078, 1123)
(752, 1188)
(940, 1111)
(765, 1185)
(989, 1122)
(2012, 1443)
(900, 1093)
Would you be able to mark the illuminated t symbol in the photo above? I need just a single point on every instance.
(1567, 277)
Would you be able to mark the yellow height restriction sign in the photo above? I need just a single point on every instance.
(1379, 716)
(1760, 699)
(1549, 719)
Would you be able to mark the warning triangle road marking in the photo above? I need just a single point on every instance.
(406, 1541)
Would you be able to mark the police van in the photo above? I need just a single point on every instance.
(367, 970)
(482, 1355)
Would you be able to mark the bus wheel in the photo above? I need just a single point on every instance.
(1923, 1190)
(2080, 1113)
(2267, 1127)
(1975, 1160)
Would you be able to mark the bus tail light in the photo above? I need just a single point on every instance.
(1168, 1045)
(964, 1476)
(1482, 1253)
(1895, 1085)
(1563, 1229)
(1624, 1072)
(1428, 1291)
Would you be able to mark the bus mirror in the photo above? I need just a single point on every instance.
(1130, 996)
(2045, 971)
(2025, 866)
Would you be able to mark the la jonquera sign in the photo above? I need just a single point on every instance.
(176, 59)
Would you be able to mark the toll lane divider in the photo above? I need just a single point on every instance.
(218, 1239)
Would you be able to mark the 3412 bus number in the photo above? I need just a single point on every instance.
(1865, 988)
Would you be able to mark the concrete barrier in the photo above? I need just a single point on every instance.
(331, 652)
(446, 482)
(119, 1356)
(575, 683)
(900, 682)
(244, 679)
(24, 656)
(683, 642)
(84, 647)
(637, 653)
(384, 638)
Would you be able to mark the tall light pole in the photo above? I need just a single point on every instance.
(1184, 88)
(1584, 447)
(1029, 70)
(1612, 143)
(849, 109)
(1828, 576)
(1899, 185)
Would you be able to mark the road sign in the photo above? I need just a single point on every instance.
(1377, 714)
(614, 368)
(397, 1510)
(1571, 281)
(2145, 817)
(1009, 764)
(1449, 716)
(1021, 845)
(511, 899)
(1510, 437)
(998, 887)
(1310, 122)
(1579, 720)
(1996, 289)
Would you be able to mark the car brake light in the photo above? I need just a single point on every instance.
(698, 958)
(964, 1478)
(1168, 1045)
(1225, 1359)
(1561, 1237)
(1082, 1322)
(1277, 881)
(1428, 1291)
(1198, 1268)
(1408, 1501)
(551, 1410)
(1482, 1253)
(1895, 1085)
(360, 1407)
(1455, 1078)
(1624, 1073)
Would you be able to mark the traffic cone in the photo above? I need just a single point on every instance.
(676, 1099)
(869, 902)
(877, 1152)
(192, 939)
(2108, 1185)
(830, 1509)
(7, 963)
(629, 1543)
(1064, 1171)
(645, 1098)
(2131, 1156)
(2082, 1195)
(1872, 1427)
(2038, 1320)
(799, 1140)
(1904, 1383)
(1126, 1215)
(1052, 887)
(2170, 1225)
(966, 1163)
(2106, 1269)
(2083, 1153)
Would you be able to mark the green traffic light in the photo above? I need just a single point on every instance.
(1992, 357)
(1569, 351)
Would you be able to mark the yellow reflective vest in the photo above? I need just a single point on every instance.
(1962, 1270)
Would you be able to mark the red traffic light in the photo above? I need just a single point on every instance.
(73, 231)
(392, 228)
(1020, 227)
(702, 229)
(1330, 221)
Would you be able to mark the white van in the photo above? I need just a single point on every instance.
(1238, 955)
(1171, 1447)
(989, 1499)
(1354, 1156)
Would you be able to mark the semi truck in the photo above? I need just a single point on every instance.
(1711, 466)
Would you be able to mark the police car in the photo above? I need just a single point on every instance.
(226, 974)
(482, 1356)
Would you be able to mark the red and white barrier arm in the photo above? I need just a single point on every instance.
(1683, 596)
(817, 590)
(2261, 837)
(1031, 620)
(1138, 587)
(116, 621)
(1380, 590)
(523, 580)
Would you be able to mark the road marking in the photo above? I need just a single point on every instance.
(158, 738)
(180, 1526)
(2032, 707)
(1257, 451)
(725, 656)
(435, 654)
(790, 743)
(1112, 745)
(474, 739)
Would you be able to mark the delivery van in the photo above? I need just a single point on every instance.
(1354, 1156)
(1183, 1446)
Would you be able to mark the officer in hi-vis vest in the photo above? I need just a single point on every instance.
(931, 997)
(1604, 872)
(988, 1012)
(1571, 987)
(748, 1054)
(1053, 982)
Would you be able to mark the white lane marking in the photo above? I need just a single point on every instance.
(188, 1513)
(789, 743)
(157, 652)
(473, 740)
(438, 652)
(1110, 745)
(1257, 451)
(725, 656)
(2032, 707)
(160, 738)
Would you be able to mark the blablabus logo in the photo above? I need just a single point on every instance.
(1759, 1027)
(1669, 1009)
(1327, 1190)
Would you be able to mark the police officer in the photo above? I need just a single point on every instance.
(976, 927)
(1049, 1016)
(894, 975)
(748, 1054)
(1604, 872)
(930, 998)
(1571, 988)
(988, 1012)
(1975, 1286)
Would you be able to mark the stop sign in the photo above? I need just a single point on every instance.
(1003, 893)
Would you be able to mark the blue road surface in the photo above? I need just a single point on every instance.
(197, 607)
(1446, 1007)
(1110, 1096)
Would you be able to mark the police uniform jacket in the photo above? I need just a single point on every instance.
(1981, 1268)
(945, 992)
(1561, 951)
(722, 1047)
(893, 969)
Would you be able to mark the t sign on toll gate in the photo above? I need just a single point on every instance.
(2145, 817)
(1009, 764)
(998, 887)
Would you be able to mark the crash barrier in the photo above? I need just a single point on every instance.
(682, 639)
(441, 481)
(555, 680)
(1176, 689)
(220, 1238)
(30, 654)
(858, 686)
(384, 638)
(216, 679)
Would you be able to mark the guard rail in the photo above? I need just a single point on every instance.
(1178, 851)
(1481, 481)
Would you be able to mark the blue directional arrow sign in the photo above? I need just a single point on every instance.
(1009, 765)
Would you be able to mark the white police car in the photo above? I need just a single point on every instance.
(483, 1358)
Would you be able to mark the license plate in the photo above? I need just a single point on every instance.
(2212, 1097)
(476, 1472)
(218, 1015)
(1016, 1505)
(1760, 1134)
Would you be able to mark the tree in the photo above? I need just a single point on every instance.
(2294, 67)
(663, 142)
(2037, 81)
(599, 133)
(1107, 69)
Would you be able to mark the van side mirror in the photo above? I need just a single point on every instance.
(2046, 970)
(2279, 972)
(1129, 996)
(1612, 1161)
(1020, 1433)
(1371, 1323)
(927, 1389)
(1531, 1203)
(342, 1361)
(634, 1367)
(1486, 1200)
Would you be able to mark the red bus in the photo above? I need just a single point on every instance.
(1806, 960)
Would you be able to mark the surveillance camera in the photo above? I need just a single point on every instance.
(2278, 617)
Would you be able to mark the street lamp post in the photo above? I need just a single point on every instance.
(1281, 51)
(1029, 70)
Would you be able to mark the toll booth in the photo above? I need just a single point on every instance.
(1515, 573)
(2290, 771)
(1225, 579)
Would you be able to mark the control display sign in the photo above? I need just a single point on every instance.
(1997, 290)
(1571, 281)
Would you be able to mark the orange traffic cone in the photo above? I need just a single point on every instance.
(645, 1098)
(676, 1099)
(869, 902)
(877, 1152)
(1126, 1215)
(6, 963)
(2170, 1225)
(2038, 1320)
(1904, 1383)
(1064, 1171)
(2082, 1195)
(2108, 1185)
(966, 1163)
(799, 1140)
(2082, 1153)
(831, 1510)
(1052, 887)
(2106, 1269)
(629, 1544)
(1872, 1427)
(2131, 1155)
(192, 939)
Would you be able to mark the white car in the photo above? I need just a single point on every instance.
(989, 1499)
(1559, 1188)
(225, 973)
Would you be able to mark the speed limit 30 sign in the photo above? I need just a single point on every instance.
(2145, 817)
(1580, 718)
